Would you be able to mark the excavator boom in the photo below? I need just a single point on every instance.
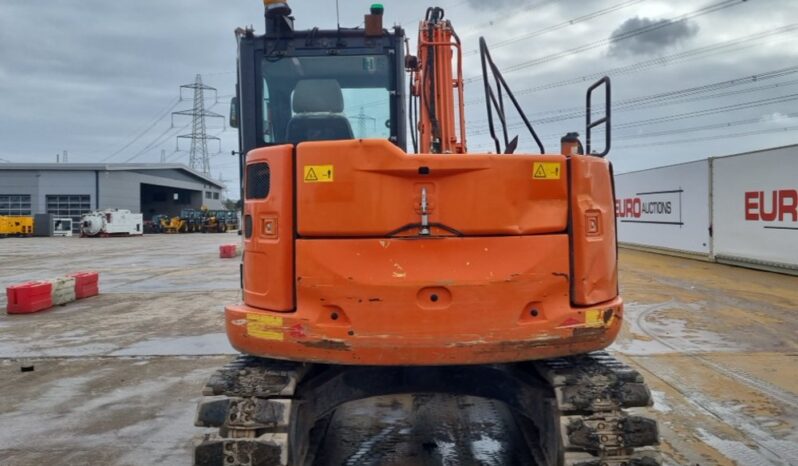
(435, 90)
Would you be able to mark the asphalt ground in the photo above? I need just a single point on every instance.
(116, 377)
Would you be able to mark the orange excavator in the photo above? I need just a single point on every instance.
(372, 270)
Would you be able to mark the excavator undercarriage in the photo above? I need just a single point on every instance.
(575, 410)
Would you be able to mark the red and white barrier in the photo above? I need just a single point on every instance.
(30, 297)
(87, 284)
(228, 251)
(63, 290)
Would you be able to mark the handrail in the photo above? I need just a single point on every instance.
(607, 120)
(498, 103)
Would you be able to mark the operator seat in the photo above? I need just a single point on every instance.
(318, 112)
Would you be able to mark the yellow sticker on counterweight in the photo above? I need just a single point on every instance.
(318, 173)
(265, 327)
(593, 318)
(546, 170)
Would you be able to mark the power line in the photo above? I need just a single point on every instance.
(613, 39)
(500, 18)
(161, 139)
(147, 129)
(155, 143)
(666, 60)
(199, 159)
(709, 138)
(681, 96)
(556, 27)
(709, 111)
(693, 129)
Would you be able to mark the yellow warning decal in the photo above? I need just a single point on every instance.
(593, 318)
(599, 318)
(546, 170)
(319, 173)
(265, 327)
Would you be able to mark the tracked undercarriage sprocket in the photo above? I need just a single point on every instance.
(266, 410)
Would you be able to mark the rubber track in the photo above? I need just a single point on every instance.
(593, 392)
(250, 401)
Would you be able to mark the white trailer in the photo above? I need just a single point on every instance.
(755, 208)
(114, 222)
(740, 209)
(665, 208)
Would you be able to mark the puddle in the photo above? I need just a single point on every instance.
(659, 402)
(487, 450)
(214, 343)
(653, 332)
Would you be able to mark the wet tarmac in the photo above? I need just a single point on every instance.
(428, 430)
(116, 378)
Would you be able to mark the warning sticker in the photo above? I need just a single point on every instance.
(318, 174)
(596, 318)
(265, 327)
(593, 318)
(546, 170)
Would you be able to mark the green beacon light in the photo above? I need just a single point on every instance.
(377, 9)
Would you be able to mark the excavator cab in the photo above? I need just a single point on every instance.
(314, 85)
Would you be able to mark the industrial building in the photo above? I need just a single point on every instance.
(72, 189)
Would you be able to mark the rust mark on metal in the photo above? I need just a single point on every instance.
(588, 331)
(332, 345)
(561, 274)
(375, 300)
(540, 340)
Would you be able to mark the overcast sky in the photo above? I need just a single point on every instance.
(93, 76)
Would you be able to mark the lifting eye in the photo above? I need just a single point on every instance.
(423, 171)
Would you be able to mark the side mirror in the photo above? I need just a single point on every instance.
(234, 112)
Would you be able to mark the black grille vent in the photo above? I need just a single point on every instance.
(258, 181)
(248, 226)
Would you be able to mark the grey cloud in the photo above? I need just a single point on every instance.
(664, 33)
(494, 4)
(88, 76)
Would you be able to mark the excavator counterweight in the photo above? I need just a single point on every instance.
(372, 270)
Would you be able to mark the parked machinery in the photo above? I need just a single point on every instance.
(213, 221)
(111, 222)
(16, 226)
(62, 227)
(231, 218)
(155, 225)
(173, 224)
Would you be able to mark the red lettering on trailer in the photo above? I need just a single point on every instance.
(792, 208)
(770, 206)
(750, 206)
(630, 207)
